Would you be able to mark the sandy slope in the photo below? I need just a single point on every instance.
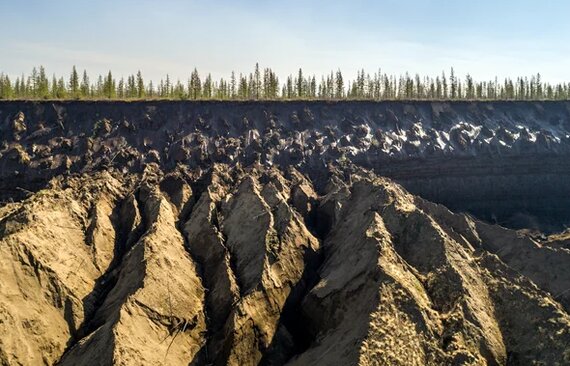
(253, 266)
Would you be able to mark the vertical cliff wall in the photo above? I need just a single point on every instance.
(505, 162)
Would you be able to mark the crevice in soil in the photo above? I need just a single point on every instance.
(123, 240)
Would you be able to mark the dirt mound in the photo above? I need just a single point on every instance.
(245, 266)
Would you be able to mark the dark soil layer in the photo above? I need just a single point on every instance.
(504, 162)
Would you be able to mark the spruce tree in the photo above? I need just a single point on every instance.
(109, 87)
(167, 87)
(256, 82)
(242, 88)
(53, 92)
(17, 90)
(470, 92)
(299, 84)
(42, 84)
(195, 85)
(74, 83)
(208, 87)
(140, 86)
(289, 87)
(84, 87)
(313, 87)
(99, 92)
(539, 91)
(339, 83)
(233, 85)
(33, 83)
(6, 89)
(121, 89)
(61, 91)
(453, 82)
(150, 90)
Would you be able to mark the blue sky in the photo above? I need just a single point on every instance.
(482, 37)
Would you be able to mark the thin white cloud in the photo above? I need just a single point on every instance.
(285, 51)
(60, 59)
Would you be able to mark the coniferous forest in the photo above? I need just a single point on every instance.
(264, 84)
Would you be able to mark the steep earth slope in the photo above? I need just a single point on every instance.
(265, 234)
(252, 266)
(487, 158)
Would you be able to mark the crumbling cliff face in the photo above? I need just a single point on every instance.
(266, 234)
(505, 162)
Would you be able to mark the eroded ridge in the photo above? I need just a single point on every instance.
(247, 266)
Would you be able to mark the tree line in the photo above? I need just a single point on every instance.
(264, 84)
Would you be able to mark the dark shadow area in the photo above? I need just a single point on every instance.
(18, 189)
(294, 334)
(516, 192)
(122, 220)
(208, 255)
